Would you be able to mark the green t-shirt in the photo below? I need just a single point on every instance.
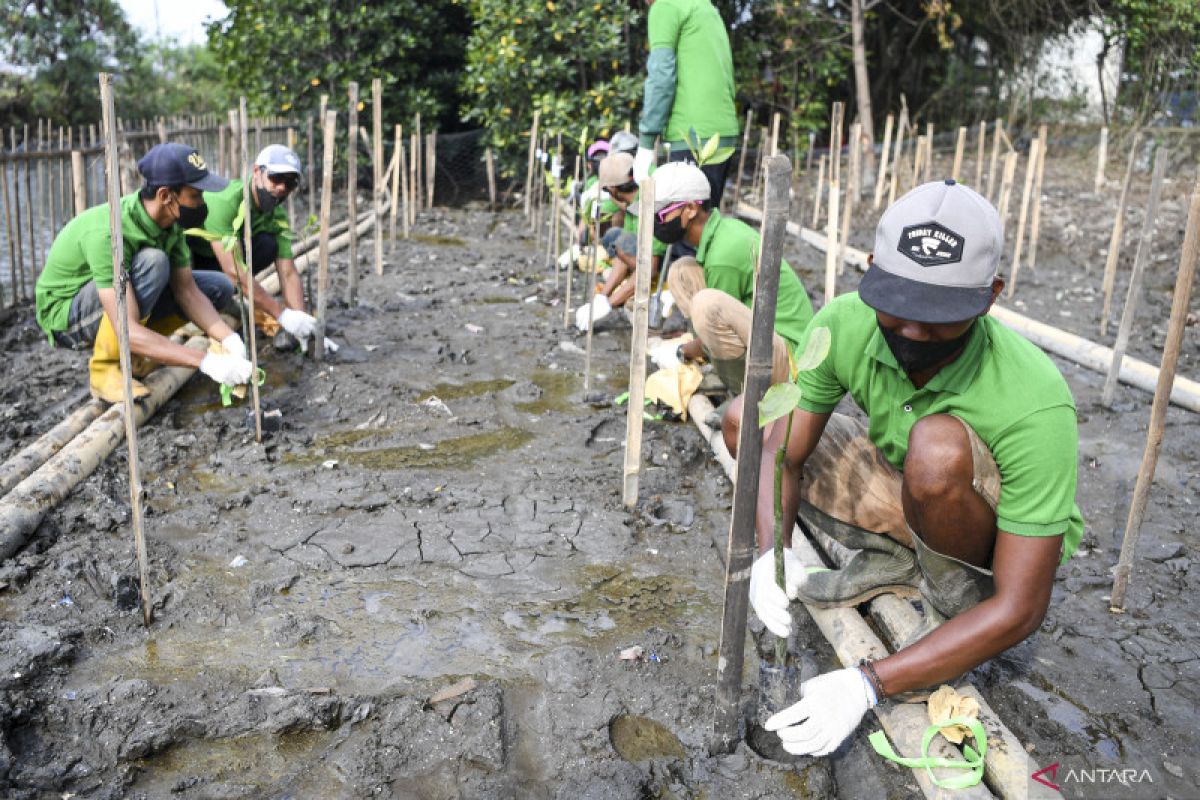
(728, 253)
(82, 252)
(223, 207)
(689, 80)
(608, 206)
(630, 223)
(1003, 386)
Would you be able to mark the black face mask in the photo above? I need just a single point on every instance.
(266, 200)
(190, 217)
(669, 232)
(913, 356)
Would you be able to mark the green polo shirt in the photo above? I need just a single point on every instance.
(608, 206)
(82, 252)
(223, 207)
(1002, 386)
(689, 75)
(630, 223)
(728, 253)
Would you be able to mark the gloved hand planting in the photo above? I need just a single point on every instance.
(770, 602)
(298, 323)
(601, 308)
(228, 369)
(830, 708)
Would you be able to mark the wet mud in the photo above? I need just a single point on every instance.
(441, 504)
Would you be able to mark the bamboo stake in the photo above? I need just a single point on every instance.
(309, 176)
(571, 240)
(742, 546)
(775, 133)
(883, 164)
(1030, 169)
(78, 182)
(759, 156)
(30, 204)
(737, 183)
(835, 152)
(1118, 232)
(490, 162)
(420, 164)
(42, 204)
(291, 205)
(899, 151)
(552, 227)
(235, 158)
(60, 206)
(13, 266)
(927, 171)
(637, 352)
(817, 196)
(377, 168)
(430, 166)
(594, 237)
(533, 132)
(352, 191)
(414, 150)
(1010, 172)
(1135, 279)
(18, 266)
(808, 157)
(959, 147)
(979, 155)
(918, 160)
(1158, 410)
(991, 178)
(1035, 223)
(248, 279)
(397, 171)
(327, 140)
(121, 284)
(851, 191)
(1101, 159)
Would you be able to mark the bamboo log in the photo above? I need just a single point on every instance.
(1010, 172)
(637, 351)
(835, 152)
(818, 194)
(742, 544)
(1158, 410)
(377, 168)
(959, 147)
(352, 192)
(1135, 279)
(323, 262)
(33, 455)
(1035, 223)
(1030, 169)
(881, 176)
(121, 284)
(1101, 159)
(1115, 241)
(998, 131)
(533, 133)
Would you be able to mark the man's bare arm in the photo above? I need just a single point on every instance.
(142, 340)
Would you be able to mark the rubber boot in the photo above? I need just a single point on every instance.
(881, 565)
(104, 368)
(948, 587)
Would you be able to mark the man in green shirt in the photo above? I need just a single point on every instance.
(276, 174)
(716, 288)
(689, 86)
(76, 300)
(961, 484)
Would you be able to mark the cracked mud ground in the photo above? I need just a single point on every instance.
(442, 505)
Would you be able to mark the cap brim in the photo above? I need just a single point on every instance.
(921, 302)
(210, 183)
(281, 169)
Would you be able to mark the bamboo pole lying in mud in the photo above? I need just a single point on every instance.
(1090, 355)
(853, 639)
(33, 455)
(1158, 411)
(637, 352)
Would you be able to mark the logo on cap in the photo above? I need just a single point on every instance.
(195, 160)
(931, 244)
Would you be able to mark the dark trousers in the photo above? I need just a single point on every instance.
(716, 173)
(263, 247)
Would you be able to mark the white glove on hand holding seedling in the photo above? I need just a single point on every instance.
(642, 163)
(234, 345)
(666, 355)
(230, 370)
(601, 308)
(830, 708)
(297, 323)
(770, 602)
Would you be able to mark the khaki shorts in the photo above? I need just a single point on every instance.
(848, 478)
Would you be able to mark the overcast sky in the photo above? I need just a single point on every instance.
(179, 19)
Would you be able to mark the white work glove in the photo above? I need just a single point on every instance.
(770, 602)
(665, 356)
(601, 308)
(227, 369)
(830, 708)
(234, 345)
(297, 323)
(330, 345)
(642, 163)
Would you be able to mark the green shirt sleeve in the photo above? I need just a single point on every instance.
(658, 95)
(97, 250)
(1038, 475)
(820, 388)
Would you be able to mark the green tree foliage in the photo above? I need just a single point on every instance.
(573, 60)
(1161, 44)
(284, 54)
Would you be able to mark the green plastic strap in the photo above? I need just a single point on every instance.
(227, 390)
(972, 762)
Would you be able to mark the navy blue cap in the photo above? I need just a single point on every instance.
(174, 164)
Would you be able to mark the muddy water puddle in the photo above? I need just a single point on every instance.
(457, 391)
(452, 454)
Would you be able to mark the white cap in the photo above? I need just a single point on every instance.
(678, 182)
(278, 160)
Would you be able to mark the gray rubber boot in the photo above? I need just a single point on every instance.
(948, 587)
(732, 373)
(881, 565)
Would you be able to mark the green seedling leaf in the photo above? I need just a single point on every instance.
(200, 233)
(779, 400)
(710, 147)
(229, 242)
(815, 349)
(721, 155)
(240, 216)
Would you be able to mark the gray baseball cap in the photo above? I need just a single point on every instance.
(278, 160)
(623, 142)
(937, 250)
